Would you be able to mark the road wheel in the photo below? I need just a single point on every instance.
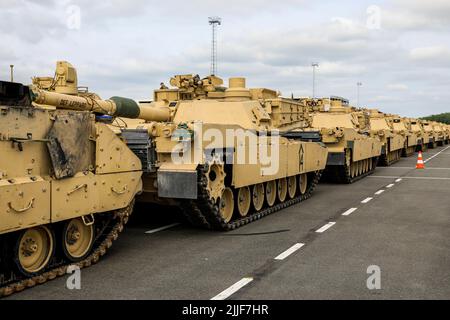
(271, 192)
(226, 205)
(258, 196)
(78, 239)
(353, 169)
(282, 189)
(34, 249)
(303, 183)
(244, 201)
(292, 186)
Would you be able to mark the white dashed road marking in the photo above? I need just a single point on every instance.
(349, 211)
(419, 178)
(289, 251)
(325, 227)
(366, 200)
(411, 168)
(243, 282)
(162, 228)
(233, 289)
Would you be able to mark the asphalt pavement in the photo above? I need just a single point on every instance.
(390, 229)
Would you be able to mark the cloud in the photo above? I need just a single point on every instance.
(417, 15)
(438, 56)
(397, 87)
(128, 47)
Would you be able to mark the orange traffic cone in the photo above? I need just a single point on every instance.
(420, 164)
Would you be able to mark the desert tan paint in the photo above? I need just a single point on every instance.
(392, 135)
(29, 194)
(340, 125)
(232, 108)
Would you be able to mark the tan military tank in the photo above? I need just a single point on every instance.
(439, 133)
(227, 156)
(446, 129)
(415, 136)
(400, 127)
(67, 182)
(353, 154)
(431, 142)
(392, 136)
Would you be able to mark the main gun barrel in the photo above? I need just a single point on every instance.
(115, 106)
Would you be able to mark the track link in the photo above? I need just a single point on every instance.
(205, 213)
(341, 174)
(383, 160)
(103, 242)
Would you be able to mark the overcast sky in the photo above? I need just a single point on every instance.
(398, 49)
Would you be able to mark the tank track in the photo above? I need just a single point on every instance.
(409, 151)
(384, 162)
(341, 174)
(114, 225)
(204, 213)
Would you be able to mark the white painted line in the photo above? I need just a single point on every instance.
(394, 167)
(162, 228)
(349, 211)
(325, 227)
(446, 153)
(436, 155)
(383, 168)
(420, 178)
(390, 185)
(384, 177)
(233, 289)
(366, 200)
(289, 251)
(398, 180)
(379, 192)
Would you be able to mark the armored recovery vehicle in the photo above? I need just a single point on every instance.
(392, 138)
(67, 183)
(353, 154)
(227, 156)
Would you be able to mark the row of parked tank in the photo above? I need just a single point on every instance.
(358, 139)
(72, 165)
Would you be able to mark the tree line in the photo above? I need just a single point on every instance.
(442, 117)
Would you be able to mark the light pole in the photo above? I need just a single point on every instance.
(214, 22)
(358, 85)
(314, 66)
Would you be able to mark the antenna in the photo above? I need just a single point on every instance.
(214, 22)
